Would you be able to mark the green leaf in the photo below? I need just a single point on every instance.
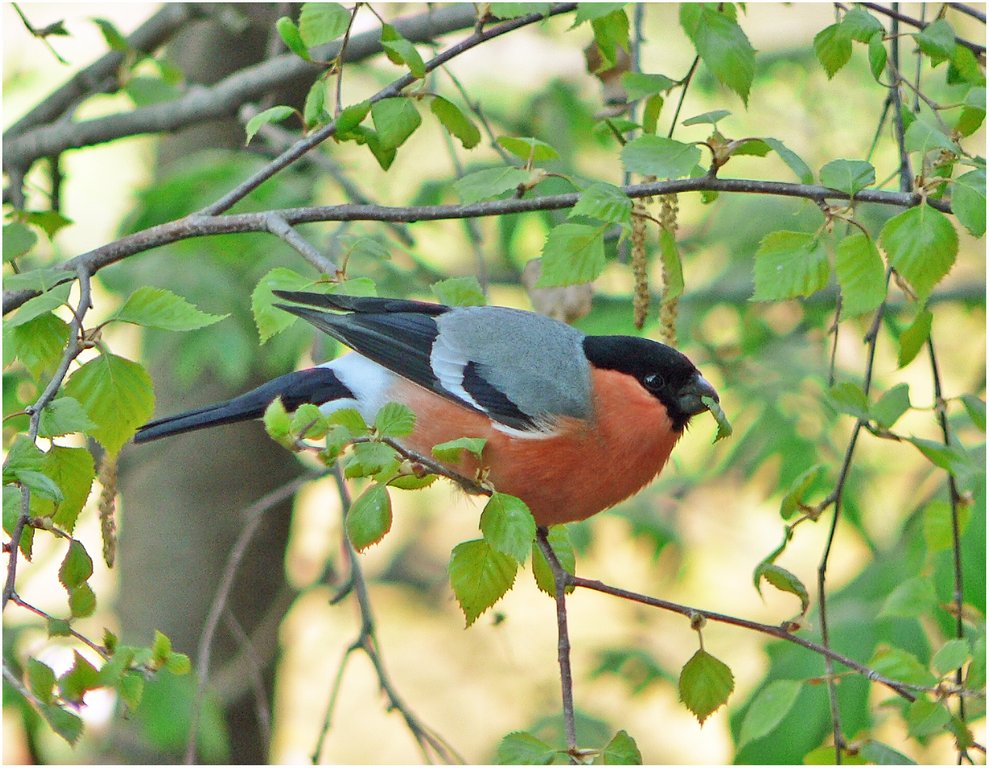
(456, 122)
(591, 11)
(459, 292)
(63, 722)
(861, 275)
(80, 678)
(369, 518)
(82, 601)
(489, 183)
(289, 33)
(721, 44)
(401, 51)
(508, 526)
(789, 264)
(319, 23)
(411, 482)
(117, 396)
(479, 576)
(40, 680)
(951, 656)
(860, 25)
(798, 492)
(877, 55)
(610, 34)
(877, 753)
(968, 201)
(660, 157)
(49, 221)
(572, 254)
(976, 409)
(639, 85)
(559, 541)
(900, 665)
(159, 308)
(178, 664)
(59, 627)
(938, 525)
(705, 684)
(669, 255)
(161, 647)
(792, 160)
(650, 113)
(621, 750)
(277, 422)
(833, 46)
(849, 398)
(450, 450)
(937, 40)
(768, 709)
(394, 420)
(521, 748)
(63, 416)
(784, 581)
(893, 404)
(351, 117)
(308, 422)
(113, 37)
(922, 136)
(39, 305)
(269, 318)
(77, 566)
(41, 280)
(40, 343)
(368, 459)
(973, 112)
(711, 118)
(73, 470)
(912, 597)
(947, 457)
(131, 689)
(851, 176)
(753, 147)
(314, 112)
(914, 337)
(18, 239)
(921, 244)
(272, 115)
(528, 148)
(926, 718)
(604, 202)
(395, 120)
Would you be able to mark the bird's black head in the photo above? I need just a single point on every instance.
(662, 371)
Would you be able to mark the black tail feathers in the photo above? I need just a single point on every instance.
(313, 385)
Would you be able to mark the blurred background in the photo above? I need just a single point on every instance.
(693, 537)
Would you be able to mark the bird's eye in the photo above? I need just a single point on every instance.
(653, 382)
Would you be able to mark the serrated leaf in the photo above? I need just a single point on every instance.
(528, 148)
(849, 398)
(320, 23)
(450, 450)
(796, 494)
(40, 343)
(938, 525)
(508, 526)
(913, 597)
(976, 409)
(39, 305)
(401, 51)
(58, 627)
(49, 221)
(63, 722)
(604, 202)
(559, 541)
(456, 122)
(489, 183)
(572, 254)
(267, 317)
(973, 113)
(350, 419)
(394, 420)
(947, 457)
(77, 566)
(768, 709)
(521, 748)
(351, 117)
(459, 292)
(480, 576)
(621, 750)
(41, 280)
(712, 117)
(116, 394)
(610, 34)
(833, 46)
(893, 404)
(63, 416)
(968, 201)
(922, 136)
(73, 470)
(366, 459)
(131, 689)
(789, 264)
(914, 337)
(289, 33)
(877, 55)
(792, 159)
(705, 684)
(660, 157)
(82, 601)
(161, 647)
(937, 40)
(272, 115)
(721, 44)
(590, 11)
(40, 680)
(80, 678)
(395, 120)
(851, 176)
(18, 239)
(899, 664)
(308, 422)
(784, 581)
(277, 421)
(951, 656)
(159, 308)
(921, 244)
(861, 275)
(639, 85)
(860, 25)
(314, 111)
(926, 718)
(178, 664)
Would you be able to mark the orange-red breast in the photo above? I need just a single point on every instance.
(574, 423)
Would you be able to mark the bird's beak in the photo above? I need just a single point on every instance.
(690, 396)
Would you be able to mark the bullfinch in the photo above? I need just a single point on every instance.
(574, 423)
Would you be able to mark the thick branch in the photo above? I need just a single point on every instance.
(200, 226)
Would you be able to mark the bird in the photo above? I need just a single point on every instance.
(573, 423)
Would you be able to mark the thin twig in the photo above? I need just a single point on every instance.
(262, 709)
(282, 229)
(968, 10)
(684, 85)
(894, 14)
